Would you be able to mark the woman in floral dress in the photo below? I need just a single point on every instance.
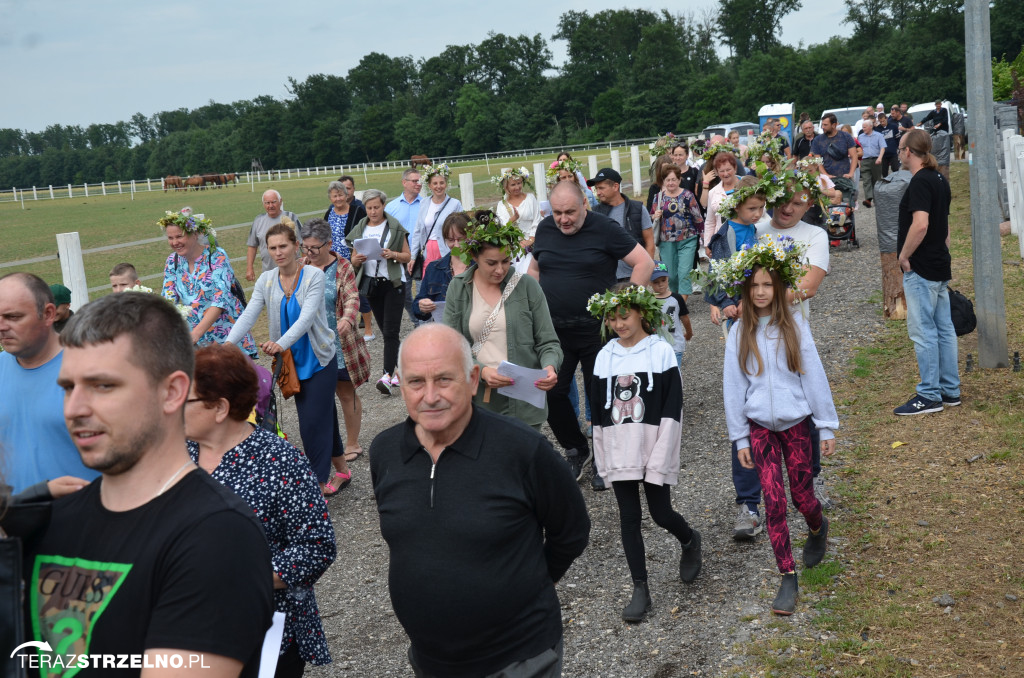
(198, 275)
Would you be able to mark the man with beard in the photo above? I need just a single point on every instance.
(153, 561)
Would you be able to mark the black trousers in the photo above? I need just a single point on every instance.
(580, 345)
(659, 503)
(387, 303)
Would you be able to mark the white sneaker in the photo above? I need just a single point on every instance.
(822, 494)
(395, 381)
(384, 384)
(369, 337)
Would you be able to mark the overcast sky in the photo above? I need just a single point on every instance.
(76, 63)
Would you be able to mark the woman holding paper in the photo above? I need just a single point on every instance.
(381, 277)
(503, 314)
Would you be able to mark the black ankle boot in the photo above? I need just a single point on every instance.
(785, 601)
(689, 562)
(816, 545)
(640, 604)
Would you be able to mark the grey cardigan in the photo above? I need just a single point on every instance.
(312, 320)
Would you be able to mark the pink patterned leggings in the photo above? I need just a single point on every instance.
(769, 448)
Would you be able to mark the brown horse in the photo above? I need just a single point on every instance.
(194, 182)
(233, 178)
(172, 181)
(215, 179)
(416, 160)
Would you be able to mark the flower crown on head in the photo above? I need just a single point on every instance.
(662, 145)
(430, 171)
(698, 147)
(714, 149)
(765, 144)
(190, 223)
(806, 162)
(486, 229)
(520, 173)
(794, 181)
(780, 253)
(769, 186)
(571, 166)
(635, 296)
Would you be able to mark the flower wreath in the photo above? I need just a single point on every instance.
(794, 180)
(714, 149)
(635, 296)
(190, 223)
(770, 186)
(487, 229)
(181, 308)
(765, 144)
(805, 162)
(430, 171)
(521, 173)
(571, 166)
(780, 253)
(698, 147)
(661, 146)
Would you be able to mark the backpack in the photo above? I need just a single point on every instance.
(961, 310)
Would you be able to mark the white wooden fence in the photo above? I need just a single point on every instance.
(1013, 152)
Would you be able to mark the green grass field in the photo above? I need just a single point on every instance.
(115, 219)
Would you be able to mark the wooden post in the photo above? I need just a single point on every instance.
(616, 163)
(540, 181)
(894, 302)
(638, 178)
(86, 187)
(149, 184)
(51, 191)
(70, 193)
(466, 190)
(592, 163)
(35, 196)
(119, 190)
(103, 187)
(69, 250)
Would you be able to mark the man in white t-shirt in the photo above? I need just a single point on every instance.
(786, 220)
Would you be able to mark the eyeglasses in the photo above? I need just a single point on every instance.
(314, 249)
(413, 181)
(452, 242)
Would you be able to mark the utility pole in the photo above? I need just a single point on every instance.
(986, 248)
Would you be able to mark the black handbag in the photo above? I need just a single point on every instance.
(16, 521)
(961, 311)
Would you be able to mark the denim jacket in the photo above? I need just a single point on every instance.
(434, 285)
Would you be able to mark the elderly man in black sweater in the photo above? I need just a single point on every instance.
(481, 517)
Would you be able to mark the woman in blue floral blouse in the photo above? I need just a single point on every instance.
(198, 274)
(277, 483)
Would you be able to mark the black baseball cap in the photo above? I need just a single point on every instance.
(606, 174)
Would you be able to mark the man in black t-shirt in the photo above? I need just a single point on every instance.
(575, 255)
(923, 245)
(154, 561)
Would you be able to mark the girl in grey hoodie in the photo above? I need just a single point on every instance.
(772, 381)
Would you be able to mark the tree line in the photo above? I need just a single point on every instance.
(629, 73)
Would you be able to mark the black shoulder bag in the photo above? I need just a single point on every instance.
(367, 283)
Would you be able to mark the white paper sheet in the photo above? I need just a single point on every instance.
(368, 247)
(545, 208)
(438, 313)
(272, 647)
(523, 389)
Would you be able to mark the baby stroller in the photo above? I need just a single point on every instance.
(838, 222)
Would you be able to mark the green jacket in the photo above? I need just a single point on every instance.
(532, 341)
(396, 237)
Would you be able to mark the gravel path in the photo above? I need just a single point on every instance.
(693, 629)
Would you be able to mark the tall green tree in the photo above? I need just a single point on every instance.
(749, 26)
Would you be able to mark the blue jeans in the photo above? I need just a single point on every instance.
(574, 398)
(931, 329)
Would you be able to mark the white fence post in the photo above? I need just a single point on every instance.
(35, 196)
(86, 187)
(70, 193)
(51, 191)
(616, 163)
(540, 181)
(149, 184)
(466, 190)
(592, 162)
(1012, 179)
(69, 249)
(119, 190)
(638, 178)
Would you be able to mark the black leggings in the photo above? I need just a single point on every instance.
(386, 302)
(659, 503)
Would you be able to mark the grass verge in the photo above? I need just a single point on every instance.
(929, 505)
